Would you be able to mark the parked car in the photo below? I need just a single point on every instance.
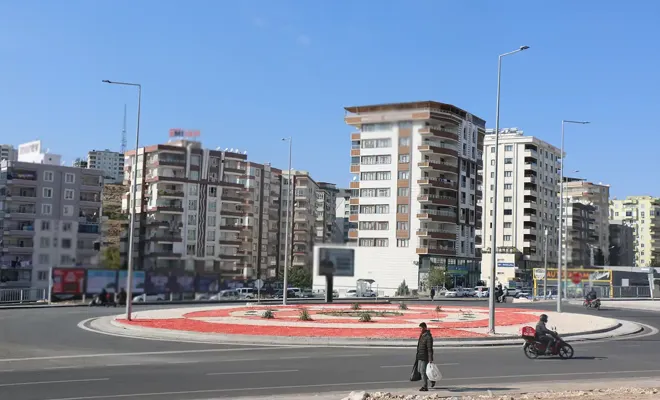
(481, 291)
(456, 292)
(247, 293)
(469, 292)
(148, 297)
(225, 295)
(351, 293)
(290, 294)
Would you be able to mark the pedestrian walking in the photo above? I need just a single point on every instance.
(432, 293)
(424, 355)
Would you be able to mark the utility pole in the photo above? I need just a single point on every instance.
(545, 264)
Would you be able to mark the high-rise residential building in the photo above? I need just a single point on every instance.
(80, 163)
(598, 195)
(642, 213)
(622, 244)
(527, 198)
(263, 245)
(50, 216)
(110, 162)
(415, 191)
(8, 152)
(313, 216)
(343, 212)
(580, 238)
(192, 209)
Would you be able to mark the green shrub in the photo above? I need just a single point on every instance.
(365, 317)
(403, 306)
(355, 306)
(438, 309)
(304, 315)
(268, 314)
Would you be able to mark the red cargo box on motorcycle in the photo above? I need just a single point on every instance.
(528, 332)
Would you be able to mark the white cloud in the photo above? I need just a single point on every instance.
(304, 40)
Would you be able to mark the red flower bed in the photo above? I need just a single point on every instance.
(183, 324)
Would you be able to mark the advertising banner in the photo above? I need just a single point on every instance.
(138, 281)
(68, 281)
(162, 284)
(207, 284)
(100, 279)
(185, 283)
(334, 260)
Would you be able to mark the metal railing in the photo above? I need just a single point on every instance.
(21, 296)
(603, 292)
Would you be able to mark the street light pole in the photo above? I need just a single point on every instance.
(493, 250)
(545, 265)
(132, 201)
(289, 220)
(561, 214)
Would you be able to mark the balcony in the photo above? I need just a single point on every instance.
(227, 226)
(231, 211)
(22, 177)
(232, 197)
(530, 179)
(438, 199)
(530, 217)
(532, 205)
(20, 246)
(170, 193)
(22, 211)
(89, 228)
(437, 250)
(438, 183)
(439, 166)
(165, 238)
(165, 176)
(231, 241)
(438, 148)
(233, 168)
(21, 195)
(19, 229)
(90, 197)
(91, 182)
(438, 215)
(166, 161)
(439, 132)
(443, 234)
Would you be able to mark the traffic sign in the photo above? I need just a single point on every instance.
(576, 278)
(258, 284)
(539, 273)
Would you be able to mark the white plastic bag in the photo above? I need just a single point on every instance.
(433, 373)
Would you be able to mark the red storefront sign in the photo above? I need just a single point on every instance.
(68, 281)
(576, 278)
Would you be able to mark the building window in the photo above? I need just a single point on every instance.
(402, 243)
(49, 176)
(375, 209)
(376, 160)
(69, 178)
(69, 194)
(404, 158)
(404, 141)
(364, 242)
(45, 225)
(508, 174)
(67, 227)
(67, 211)
(374, 225)
(376, 176)
(66, 243)
(508, 199)
(44, 259)
(210, 236)
(402, 226)
(404, 175)
(508, 212)
(44, 242)
(211, 220)
(508, 147)
(382, 192)
(46, 209)
(210, 250)
(402, 209)
(507, 238)
(213, 191)
(66, 259)
(192, 219)
(192, 234)
(376, 143)
(508, 161)
(213, 206)
(403, 192)
(193, 190)
(507, 224)
(508, 186)
(47, 193)
(192, 205)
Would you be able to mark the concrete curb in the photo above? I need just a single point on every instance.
(109, 325)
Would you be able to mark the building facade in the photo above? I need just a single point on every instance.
(110, 162)
(598, 195)
(8, 152)
(343, 212)
(527, 198)
(642, 214)
(192, 210)
(580, 239)
(415, 194)
(622, 244)
(263, 246)
(326, 213)
(50, 217)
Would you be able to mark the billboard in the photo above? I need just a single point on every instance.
(334, 260)
(138, 281)
(592, 275)
(68, 280)
(100, 279)
(178, 132)
(207, 284)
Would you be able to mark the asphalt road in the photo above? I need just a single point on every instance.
(45, 356)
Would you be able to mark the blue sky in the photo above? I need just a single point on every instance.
(247, 73)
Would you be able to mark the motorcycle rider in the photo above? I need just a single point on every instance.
(592, 295)
(545, 335)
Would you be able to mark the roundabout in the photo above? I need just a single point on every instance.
(356, 324)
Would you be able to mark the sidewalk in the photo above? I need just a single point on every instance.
(645, 305)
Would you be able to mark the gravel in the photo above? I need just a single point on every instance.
(598, 394)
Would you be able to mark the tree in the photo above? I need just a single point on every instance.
(599, 257)
(299, 277)
(111, 258)
(403, 289)
(437, 277)
(655, 262)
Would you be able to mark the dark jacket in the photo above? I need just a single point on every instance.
(425, 347)
(592, 295)
(541, 330)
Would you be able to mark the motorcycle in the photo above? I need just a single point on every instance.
(592, 304)
(534, 348)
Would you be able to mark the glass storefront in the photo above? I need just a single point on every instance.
(463, 272)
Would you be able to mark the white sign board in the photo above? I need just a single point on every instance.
(334, 260)
(539, 273)
(258, 284)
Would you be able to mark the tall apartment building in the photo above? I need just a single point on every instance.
(263, 245)
(326, 214)
(80, 163)
(622, 244)
(192, 209)
(415, 190)
(8, 152)
(598, 195)
(642, 213)
(527, 199)
(110, 162)
(50, 216)
(343, 212)
(580, 238)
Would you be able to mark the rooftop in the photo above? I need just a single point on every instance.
(415, 105)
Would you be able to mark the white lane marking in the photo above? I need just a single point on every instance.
(52, 382)
(62, 367)
(208, 391)
(184, 362)
(147, 353)
(554, 374)
(123, 365)
(410, 365)
(275, 371)
(7, 370)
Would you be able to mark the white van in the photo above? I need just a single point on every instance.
(246, 293)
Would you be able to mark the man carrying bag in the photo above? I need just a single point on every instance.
(423, 358)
